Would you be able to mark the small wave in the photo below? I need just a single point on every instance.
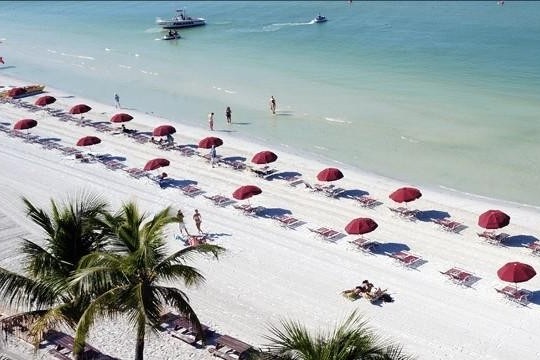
(153, 30)
(230, 91)
(124, 66)
(414, 141)
(78, 56)
(320, 147)
(337, 120)
(107, 49)
(148, 72)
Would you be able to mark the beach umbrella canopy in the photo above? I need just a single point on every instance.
(516, 272)
(88, 141)
(156, 164)
(25, 124)
(493, 219)
(16, 91)
(405, 194)
(210, 141)
(264, 157)
(121, 117)
(245, 192)
(164, 130)
(361, 226)
(80, 109)
(329, 174)
(45, 100)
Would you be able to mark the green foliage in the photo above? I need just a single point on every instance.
(352, 340)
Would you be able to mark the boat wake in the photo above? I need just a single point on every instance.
(335, 120)
(276, 27)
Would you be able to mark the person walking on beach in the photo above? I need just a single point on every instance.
(211, 121)
(181, 225)
(117, 101)
(273, 105)
(198, 220)
(213, 156)
(228, 113)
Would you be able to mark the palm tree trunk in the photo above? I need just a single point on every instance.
(139, 346)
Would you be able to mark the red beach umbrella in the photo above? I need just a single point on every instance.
(25, 124)
(207, 142)
(164, 130)
(245, 192)
(80, 109)
(16, 91)
(493, 219)
(516, 272)
(121, 117)
(264, 157)
(361, 226)
(330, 174)
(88, 141)
(156, 164)
(45, 100)
(405, 194)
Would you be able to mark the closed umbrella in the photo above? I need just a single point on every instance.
(493, 219)
(361, 226)
(264, 157)
(330, 174)
(164, 130)
(210, 141)
(156, 164)
(45, 100)
(405, 194)
(121, 117)
(246, 191)
(18, 91)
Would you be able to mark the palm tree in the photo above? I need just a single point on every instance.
(42, 294)
(130, 276)
(351, 340)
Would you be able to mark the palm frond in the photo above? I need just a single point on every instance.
(22, 292)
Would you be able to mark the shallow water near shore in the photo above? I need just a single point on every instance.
(438, 94)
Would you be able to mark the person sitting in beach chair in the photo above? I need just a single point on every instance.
(125, 130)
(162, 179)
(377, 294)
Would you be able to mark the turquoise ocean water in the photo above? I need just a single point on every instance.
(436, 94)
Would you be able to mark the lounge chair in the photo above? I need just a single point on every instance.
(405, 258)
(364, 245)
(449, 225)
(520, 296)
(287, 221)
(326, 233)
(405, 213)
(535, 247)
(220, 200)
(63, 346)
(136, 173)
(458, 276)
(493, 238)
(263, 172)
(366, 201)
(235, 164)
(182, 328)
(230, 348)
(249, 210)
(191, 190)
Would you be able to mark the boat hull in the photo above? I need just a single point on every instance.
(168, 25)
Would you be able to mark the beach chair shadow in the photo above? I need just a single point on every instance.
(271, 212)
(383, 248)
(284, 175)
(427, 215)
(234, 158)
(352, 193)
(176, 184)
(534, 297)
(214, 236)
(519, 240)
(241, 123)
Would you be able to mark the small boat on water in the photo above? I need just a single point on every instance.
(180, 20)
(171, 36)
(320, 19)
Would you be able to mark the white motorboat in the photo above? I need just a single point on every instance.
(180, 20)
(320, 19)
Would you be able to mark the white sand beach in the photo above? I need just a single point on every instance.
(270, 272)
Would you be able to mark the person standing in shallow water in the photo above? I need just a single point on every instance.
(211, 121)
(228, 114)
(117, 101)
(273, 105)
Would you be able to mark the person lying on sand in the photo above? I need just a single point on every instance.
(357, 292)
